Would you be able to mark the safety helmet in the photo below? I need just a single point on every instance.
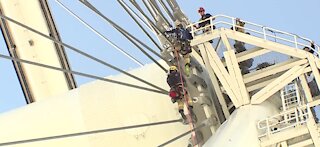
(177, 23)
(201, 9)
(172, 68)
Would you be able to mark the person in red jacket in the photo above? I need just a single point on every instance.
(181, 38)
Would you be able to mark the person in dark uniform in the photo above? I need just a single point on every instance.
(204, 16)
(309, 49)
(181, 42)
(177, 92)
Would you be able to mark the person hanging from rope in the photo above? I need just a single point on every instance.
(181, 43)
(177, 92)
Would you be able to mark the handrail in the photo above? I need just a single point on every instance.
(274, 117)
(296, 117)
(290, 38)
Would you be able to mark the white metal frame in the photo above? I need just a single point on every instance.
(267, 125)
(278, 76)
(214, 65)
(277, 84)
(252, 27)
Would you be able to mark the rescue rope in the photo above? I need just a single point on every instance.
(186, 99)
(181, 135)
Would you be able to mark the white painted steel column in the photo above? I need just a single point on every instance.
(42, 82)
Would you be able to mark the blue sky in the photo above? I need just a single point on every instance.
(299, 17)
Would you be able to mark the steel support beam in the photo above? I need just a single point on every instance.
(277, 84)
(214, 64)
(235, 74)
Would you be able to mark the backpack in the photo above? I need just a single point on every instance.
(189, 35)
(185, 34)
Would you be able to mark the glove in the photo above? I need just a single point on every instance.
(173, 100)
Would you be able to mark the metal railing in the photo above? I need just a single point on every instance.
(285, 120)
(267, 33)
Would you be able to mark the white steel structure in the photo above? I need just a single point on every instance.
(37, 83)
(242, 98)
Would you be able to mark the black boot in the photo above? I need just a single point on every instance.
(184, 118)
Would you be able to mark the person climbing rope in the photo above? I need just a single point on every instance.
(181, 43)
(177, 92)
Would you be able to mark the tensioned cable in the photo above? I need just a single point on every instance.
(145, 20)
(135, 4)
(142, 20)
(150, 22)
(125, 7)
(82, 53)
(181, 135)
(170, 4)
(81, 74)
(153, 4)
(88, 132)
(127, 35)
(99, 34)
(164, 6)
(151, 11)
(143, 51)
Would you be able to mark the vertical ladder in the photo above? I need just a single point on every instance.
(290, 97)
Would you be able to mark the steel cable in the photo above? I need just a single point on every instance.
(81, 74)
(125, 33)
(99, 34)
(88, 132)
(82, 53)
